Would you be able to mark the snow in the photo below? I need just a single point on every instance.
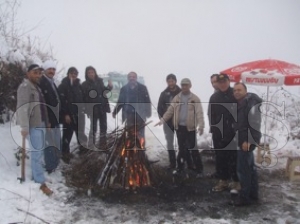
(16, 199)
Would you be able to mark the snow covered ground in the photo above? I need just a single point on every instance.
(25, 203)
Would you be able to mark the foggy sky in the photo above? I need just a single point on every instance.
(190, 38)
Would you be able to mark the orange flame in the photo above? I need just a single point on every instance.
(142, 142)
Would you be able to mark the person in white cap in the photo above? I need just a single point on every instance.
(186, 111)
(52, 151)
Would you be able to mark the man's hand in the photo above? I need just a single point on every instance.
(24, 133)
(68, 119)
(246, 146)
(200, 131)
(110, 85)
(159, 123)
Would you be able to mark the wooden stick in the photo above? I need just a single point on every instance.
(22, 178)
(15, 194)
(33, 215)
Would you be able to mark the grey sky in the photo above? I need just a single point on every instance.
(190, 38)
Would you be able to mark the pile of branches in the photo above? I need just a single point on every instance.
(120, 163)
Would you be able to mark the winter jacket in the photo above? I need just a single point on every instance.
(132, 101)
(223, 106)
(71, 95)
(164, 101)
(95, 95)
(249, 120)
(29, 113)
(195, 113)
(52, 100)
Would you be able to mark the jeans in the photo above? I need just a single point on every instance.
(36, 140)
(169, 135)
(187, 144)
(52, 151)
(247, 175)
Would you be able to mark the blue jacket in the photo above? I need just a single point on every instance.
(134, 102)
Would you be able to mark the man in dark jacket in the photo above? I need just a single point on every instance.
(96, 104)
(164, 101)
(222, 110)
(214, 84)
(73, 112)
(248, 127)
(134, 100)
(53, 137)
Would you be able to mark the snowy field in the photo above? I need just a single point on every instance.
(25, 203)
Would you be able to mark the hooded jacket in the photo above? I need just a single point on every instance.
(95, 95)
(71, 95)
(249, 120)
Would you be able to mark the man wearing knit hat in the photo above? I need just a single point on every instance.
(53, 137)
(164, 101)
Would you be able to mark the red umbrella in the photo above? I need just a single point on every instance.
(267, 72)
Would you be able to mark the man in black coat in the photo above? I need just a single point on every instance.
(223, 109)
(248, 128)
(73, 112)
(134, 100)
(52, 151)
(164, 101)
(96, 103)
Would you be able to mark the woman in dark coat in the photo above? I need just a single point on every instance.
(71, 95)
(96, 103)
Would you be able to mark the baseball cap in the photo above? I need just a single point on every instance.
(33, 67)
(185, 81)
(222, 77)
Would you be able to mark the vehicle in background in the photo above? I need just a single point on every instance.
(118, 80)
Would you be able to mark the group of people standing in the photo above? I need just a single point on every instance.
(239, 114)
(234, 119)
(43, 107)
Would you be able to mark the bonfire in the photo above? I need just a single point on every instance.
(121, 163)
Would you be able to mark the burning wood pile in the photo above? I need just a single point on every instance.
(122, 163)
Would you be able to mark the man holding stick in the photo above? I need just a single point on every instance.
(32, 118)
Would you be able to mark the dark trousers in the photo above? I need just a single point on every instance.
(215, 142)
(187, 144)
(247, 175)
(226, 160)
(95, 117)
(77, 125)
(169, 135)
